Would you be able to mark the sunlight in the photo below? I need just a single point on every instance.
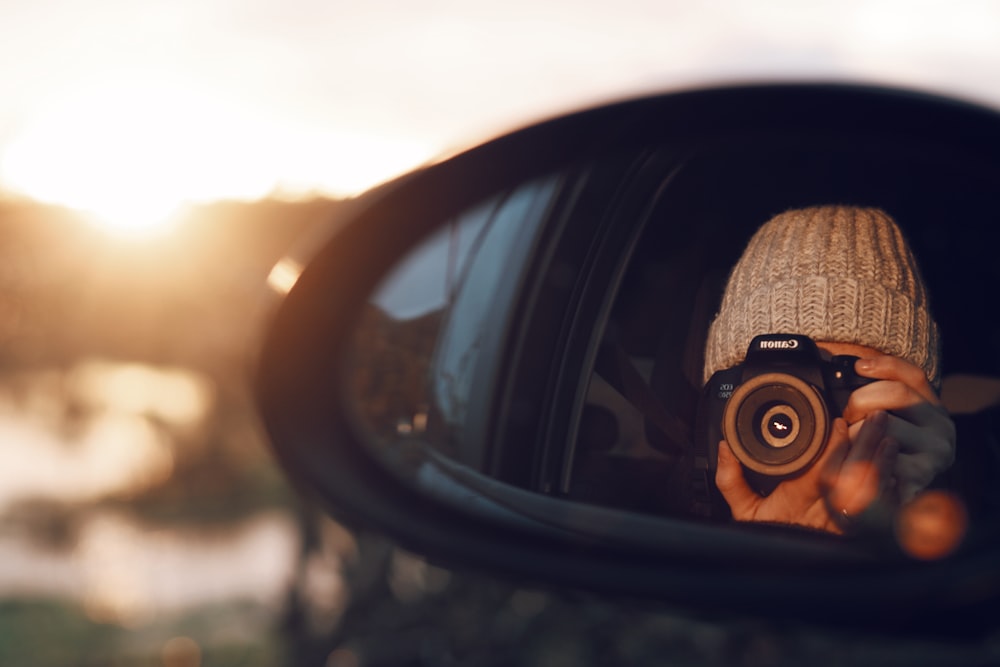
(131, 154)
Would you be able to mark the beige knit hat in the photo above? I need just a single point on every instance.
(837, 274)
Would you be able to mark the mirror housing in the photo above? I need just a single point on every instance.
(460, 518)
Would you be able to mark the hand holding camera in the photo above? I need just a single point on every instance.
(917, 421)
(848, 477)
(776, 409)
(773, 409)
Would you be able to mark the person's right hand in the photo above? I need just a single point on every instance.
(848, 477)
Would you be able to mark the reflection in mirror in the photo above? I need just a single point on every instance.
(435, 326)
(631, 358)
(648, 389)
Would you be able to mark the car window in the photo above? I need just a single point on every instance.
(435, 327)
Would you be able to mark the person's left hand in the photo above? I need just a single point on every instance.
(917, 420)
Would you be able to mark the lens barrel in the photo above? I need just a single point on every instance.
(776, 424)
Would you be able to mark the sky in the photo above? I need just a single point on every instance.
(131, 109)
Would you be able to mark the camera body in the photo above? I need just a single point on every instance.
(776, 409)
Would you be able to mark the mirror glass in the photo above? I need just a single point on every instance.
(435, 323)
(553, 336)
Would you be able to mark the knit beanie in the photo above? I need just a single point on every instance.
(837, 274)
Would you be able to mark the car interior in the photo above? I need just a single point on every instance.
(640, 416)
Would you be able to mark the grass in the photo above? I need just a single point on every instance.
(56, 633)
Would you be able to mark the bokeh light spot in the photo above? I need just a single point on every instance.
(932, 526)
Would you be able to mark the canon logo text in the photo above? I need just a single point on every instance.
(790, 344)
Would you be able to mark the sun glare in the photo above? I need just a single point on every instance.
(132, 156)
(127, 155)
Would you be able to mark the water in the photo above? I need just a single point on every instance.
(77, 446)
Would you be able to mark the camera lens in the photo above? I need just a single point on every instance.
(779, 426)
(775, 424)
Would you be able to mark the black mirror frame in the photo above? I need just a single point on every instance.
(318, 440)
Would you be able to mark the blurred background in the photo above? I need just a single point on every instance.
(157, 159)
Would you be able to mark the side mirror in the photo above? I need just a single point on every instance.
(448, 366)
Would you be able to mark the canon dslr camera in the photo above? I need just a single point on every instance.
(776, 409)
